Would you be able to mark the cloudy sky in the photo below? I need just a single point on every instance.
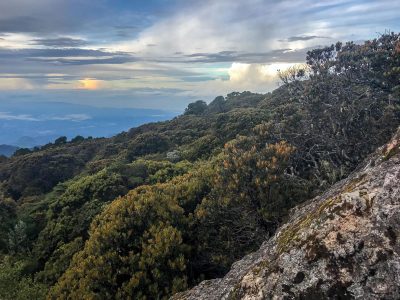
(163, 54)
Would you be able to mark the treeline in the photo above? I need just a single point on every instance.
(59, 141)
(157, 209)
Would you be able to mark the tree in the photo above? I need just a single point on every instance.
(61, 140)
(253, 171)
(69, 216)
(196, 108)
(77, 139)
(17, 238)
(140, 242)
(22, 151)
(8, 217)
(173, 156)
(15, 284)
(147, 143)
(217, 105)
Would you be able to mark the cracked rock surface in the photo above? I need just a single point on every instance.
(343, 244)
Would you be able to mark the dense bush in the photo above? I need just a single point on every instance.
(15, 284)
(139, 243)
(8, 216)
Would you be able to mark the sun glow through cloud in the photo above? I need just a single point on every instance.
(89, 84)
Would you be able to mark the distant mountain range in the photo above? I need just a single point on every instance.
(7, 150)
(29, 124)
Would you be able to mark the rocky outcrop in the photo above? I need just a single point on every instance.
(343, 244)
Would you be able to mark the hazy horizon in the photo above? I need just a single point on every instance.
(47, 121)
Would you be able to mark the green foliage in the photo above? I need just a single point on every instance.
(39, 175)
(70, 215)
(202, 148)
(254, 171)
(170, 171)
(71, 209)
(196, 108)
(16, 285)
(218, 105)
(147, 143)
(224, 230)
(8, 216)
(174, 156)
(77, 139)
(251, 193)
(59, 261)
(17, 238)
(139, 244)
(239, 122)
(60, 140)
(22, 151)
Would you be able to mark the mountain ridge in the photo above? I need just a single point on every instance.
(8, 150)
(37, 123)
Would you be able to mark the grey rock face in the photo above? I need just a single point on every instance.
(343, 244)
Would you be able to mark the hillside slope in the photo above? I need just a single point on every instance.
(342, 244)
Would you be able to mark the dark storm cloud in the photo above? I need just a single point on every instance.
(126, 27)
(60, 42)
(303, 38)
(62, 54)
(47, 16)
(79, 56)
(90, 61)
(41, 76)
(97, 19)
(20, 24)
(39, 24)
(279, 55)
(126, 31)
(41, 67)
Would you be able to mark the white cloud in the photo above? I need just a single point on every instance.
(259, 26)
(15, 84)
(26, 117)
(72, 117)
(259, 78)
(20, 117)
(15, 41)
(213, 26)
(256, 73)
(252, 26)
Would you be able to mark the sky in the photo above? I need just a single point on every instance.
(161, 54)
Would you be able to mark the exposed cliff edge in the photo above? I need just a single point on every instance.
(343, 244)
